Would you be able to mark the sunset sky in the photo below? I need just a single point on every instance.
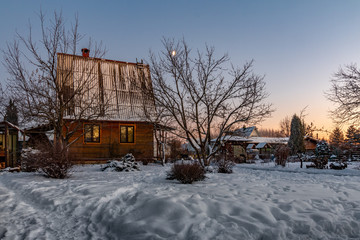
(297, 45)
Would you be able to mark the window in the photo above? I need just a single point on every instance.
(126, 134)
(92, 133)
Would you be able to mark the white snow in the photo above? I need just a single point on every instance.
(257, 201)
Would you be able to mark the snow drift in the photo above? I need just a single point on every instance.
(255, 202)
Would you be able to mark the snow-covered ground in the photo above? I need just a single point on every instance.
(255, 202)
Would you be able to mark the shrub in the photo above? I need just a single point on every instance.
(54, 162)
(29, 159)
(145, 161)
(186, 173)
(126, 163)
(224, 165)
(281, 154)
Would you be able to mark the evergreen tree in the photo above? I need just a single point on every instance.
(337, 137)
(296, 140)
(351, 135)
(352, 138)
(11, 114)
(322, 152)
(322, 149)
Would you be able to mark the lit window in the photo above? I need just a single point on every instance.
(92, 133)
(126, 134)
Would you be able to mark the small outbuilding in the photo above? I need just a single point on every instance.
(9, 144)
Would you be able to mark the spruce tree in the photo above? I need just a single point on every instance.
(322, 152)
(296, 139)
(11, 114)
(337, 137)
(351, 135)
(352, 138)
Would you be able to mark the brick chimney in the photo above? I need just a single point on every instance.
(85, 52)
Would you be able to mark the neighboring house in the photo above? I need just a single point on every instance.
(123, 127)
(245, 132)
(310, 144)
(244, 143)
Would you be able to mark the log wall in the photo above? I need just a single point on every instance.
(110, 146)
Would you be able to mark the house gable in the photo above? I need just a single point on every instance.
(115, 89)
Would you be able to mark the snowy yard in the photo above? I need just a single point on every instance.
(255, 202)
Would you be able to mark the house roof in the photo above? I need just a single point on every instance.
(261, 145)
(232, 138)
(117, 88)
(244, 131)
(250, 146)
(10, 125)
(311, 139)
(271, 140)
(254, 139)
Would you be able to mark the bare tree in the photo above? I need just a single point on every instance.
(269, 132)
(309, 128)
(3, 102)
(345, 94)
(201, 96)
(42, 83)
(285, 126)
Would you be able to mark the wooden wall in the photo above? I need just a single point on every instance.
(310, 145)
(110, 146)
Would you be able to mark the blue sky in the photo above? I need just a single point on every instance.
(297, 45)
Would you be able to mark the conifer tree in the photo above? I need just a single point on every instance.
(337, 137)
(11, 114)
(322, 151)
(352, 138)
(351, 135)
(296, 140)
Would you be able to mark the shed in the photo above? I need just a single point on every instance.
(9, 144)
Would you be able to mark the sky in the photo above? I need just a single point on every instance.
(296, 45)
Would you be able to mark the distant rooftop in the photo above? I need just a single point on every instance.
(246, 132)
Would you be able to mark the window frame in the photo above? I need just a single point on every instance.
(127, 126)
(92, 132)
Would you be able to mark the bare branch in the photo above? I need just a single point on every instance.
(199, 96)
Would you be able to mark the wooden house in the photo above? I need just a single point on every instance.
(310, 144)
(111, 87)
(245, 132)
(9, 144)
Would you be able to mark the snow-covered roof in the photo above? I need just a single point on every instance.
(273, 140)
(244, 132)
(261, 145)
(254, 139)
(231, 138)
(250, 146)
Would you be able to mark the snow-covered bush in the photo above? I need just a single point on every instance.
(29, 159)
(186, 172)
(126, 163)
(224, 165)
(338, 166)
(322, 152)
(209, 169)
(53, 161)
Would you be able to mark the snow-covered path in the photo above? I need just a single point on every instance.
(255, 202)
